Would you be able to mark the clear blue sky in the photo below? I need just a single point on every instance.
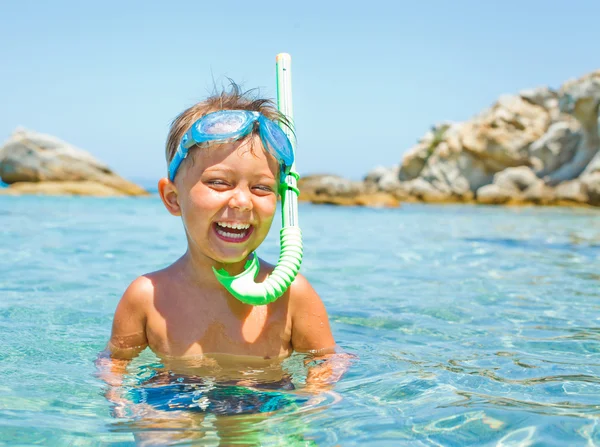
(369, 77)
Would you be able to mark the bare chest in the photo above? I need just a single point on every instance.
(180, 330)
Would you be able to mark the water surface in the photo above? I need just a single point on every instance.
(471, 325)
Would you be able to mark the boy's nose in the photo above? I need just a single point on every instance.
(241, 199)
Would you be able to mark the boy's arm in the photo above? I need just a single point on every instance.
(310, 323)
(128, 337)
(311, 333)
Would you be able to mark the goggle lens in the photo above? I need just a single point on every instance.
(222, 123)
(278, 141)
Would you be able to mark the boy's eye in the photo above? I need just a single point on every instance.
(265, 188)
(217, 182)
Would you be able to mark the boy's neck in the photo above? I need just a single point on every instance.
(198, 268)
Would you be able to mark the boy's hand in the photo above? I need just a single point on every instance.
(326, 370)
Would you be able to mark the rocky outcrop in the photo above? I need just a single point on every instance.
(335, 190)
(82, 188)
(581, 99)
(539, 146)
(34, 163)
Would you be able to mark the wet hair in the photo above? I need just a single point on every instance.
(232, 99)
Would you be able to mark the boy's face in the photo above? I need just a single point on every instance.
(227, 195)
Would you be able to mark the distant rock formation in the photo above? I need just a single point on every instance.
(34, 163)
(539, 146)
(336, 190)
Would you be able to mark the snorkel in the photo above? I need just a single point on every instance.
(243, 285)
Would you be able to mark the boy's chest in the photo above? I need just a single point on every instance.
(263, 331)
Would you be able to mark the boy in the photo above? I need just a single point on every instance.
(226, 195)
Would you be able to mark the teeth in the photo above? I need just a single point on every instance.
(221, 226)
(230, 235)
(235, 226)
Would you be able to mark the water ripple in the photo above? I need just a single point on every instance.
(471, 325)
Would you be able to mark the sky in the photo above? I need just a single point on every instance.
(369, 78)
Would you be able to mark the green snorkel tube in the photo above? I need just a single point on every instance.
(242, 286)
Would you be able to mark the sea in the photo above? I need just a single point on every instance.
(466, 325)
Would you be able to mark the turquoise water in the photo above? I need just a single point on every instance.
(471, 325)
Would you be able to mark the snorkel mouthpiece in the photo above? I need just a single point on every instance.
(243, 286)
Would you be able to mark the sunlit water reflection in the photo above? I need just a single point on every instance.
(471, 326)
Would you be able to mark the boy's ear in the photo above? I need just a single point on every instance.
(168, 194)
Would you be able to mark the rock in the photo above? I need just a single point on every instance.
(33, 157)
(494, 195)
(382, 179)
(82, 188)
(539, 193)
(329, 185)
(328, 200)
(516, 179)
(501, 137)
(545, 134)
(509, 185)
(389, 182)
(413, 163)
(425, 191)
(581, 98)
(582, 90)
(457, 159)
(377, 200)
(336, 190)
(454, 174)
(375, 174)
(401, 194)
(543, 97)
(593, 165)
(539, 146)
(416, 157)
(571, 191)
(591, 184)
(556, 147)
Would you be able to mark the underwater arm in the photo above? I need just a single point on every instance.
(324, 370)
(111, 371)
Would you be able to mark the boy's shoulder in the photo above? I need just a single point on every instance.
(299, 291)
(301, 295)
(141, 291)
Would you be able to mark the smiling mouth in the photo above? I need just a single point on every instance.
(233, 232)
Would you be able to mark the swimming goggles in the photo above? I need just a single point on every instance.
(231, 125)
